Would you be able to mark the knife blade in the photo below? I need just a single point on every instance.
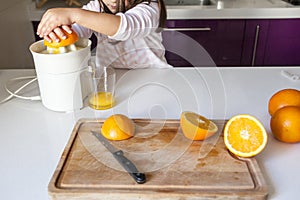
(122, 159)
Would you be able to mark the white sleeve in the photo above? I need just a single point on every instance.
(82, 31)
(138, 21)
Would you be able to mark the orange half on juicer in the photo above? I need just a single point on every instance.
(64, 45)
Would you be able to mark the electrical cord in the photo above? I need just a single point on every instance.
(291, 76)
(15, 93)
(33, 79)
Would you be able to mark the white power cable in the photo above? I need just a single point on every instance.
(291, 76)
(15, 93)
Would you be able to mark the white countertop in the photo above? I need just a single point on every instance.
(32, 138)
(236, 9)
(222, 9)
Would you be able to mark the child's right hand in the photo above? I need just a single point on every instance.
(57, 34)
(53, 21)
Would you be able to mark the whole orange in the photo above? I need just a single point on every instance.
(285, 97)
(285, 124)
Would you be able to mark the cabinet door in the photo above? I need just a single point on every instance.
(283, 44)
(204, 42)
(229, 42)
(190, 42)
(255, 42)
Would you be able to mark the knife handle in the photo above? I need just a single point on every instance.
(129, 167)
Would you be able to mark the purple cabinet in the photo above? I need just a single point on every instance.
(204, 42)
(249, 42)
(190, 42)
(255, 39)
(230, 42)
(272, 42)
(283, 43)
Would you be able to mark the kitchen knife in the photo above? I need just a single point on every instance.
(119, 156)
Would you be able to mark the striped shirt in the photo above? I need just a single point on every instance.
(136, 43)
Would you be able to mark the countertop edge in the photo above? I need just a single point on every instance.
(181, 12)
(235, 13)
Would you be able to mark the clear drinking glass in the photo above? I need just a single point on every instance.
(102, 88)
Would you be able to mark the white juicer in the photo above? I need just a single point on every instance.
(62, 78)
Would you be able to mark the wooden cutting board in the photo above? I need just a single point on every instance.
(175, 167)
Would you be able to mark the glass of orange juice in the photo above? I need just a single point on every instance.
(102, 88)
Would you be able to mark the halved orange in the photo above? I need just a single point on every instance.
(118, 127)
(71, 39)
(245, 136)
(196, 127)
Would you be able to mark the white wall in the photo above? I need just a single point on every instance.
(16, 35)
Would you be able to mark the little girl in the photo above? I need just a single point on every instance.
(128, 31)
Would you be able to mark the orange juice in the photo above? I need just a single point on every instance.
(101, 100)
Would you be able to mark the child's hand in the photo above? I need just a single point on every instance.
(52, 20)
(57, 34)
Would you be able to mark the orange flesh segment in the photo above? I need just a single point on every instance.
(245, 135)
(199, 121)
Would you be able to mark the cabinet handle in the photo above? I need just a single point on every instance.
(188, 29)
(255, 45)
